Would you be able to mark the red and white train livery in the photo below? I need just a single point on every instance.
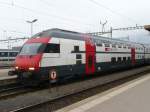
(56, 54)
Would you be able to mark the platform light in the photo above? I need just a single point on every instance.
(31, 68)
(31, 22)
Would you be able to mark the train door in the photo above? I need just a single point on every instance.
(133, 56)
(90, 56)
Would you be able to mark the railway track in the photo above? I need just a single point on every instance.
(11, 90)
(54, 103)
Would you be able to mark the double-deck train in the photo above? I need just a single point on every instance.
(58, 54)
(7, 57)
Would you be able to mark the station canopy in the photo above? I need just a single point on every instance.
(147, 27)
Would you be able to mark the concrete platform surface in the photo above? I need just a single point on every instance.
(133, 96)
(4, 74)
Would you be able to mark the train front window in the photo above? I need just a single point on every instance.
(31, 49)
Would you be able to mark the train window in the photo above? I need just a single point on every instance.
(76, 48)
(31, 48)
(78, 62)
(124, 47)
(78, 56)
(119, 46)
(11, 59)
(13, 54)
(3, 59)
(113, 59)
(52, 48)
(113, 46)
(119, 59)
(99, 44)
(107, 45)
(129, 58)
(142, 57)
(124, 58)
(4, 54)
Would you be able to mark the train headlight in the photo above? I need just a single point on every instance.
(16, 67)
(31, 68)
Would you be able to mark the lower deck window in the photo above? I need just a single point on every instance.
(113, 59)
(7, 59)
(119, 59)
(78, 62)
(124, 58)
(129, 58)
(78, 56)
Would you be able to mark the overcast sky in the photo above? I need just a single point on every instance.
(76, 15)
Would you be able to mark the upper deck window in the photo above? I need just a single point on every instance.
(119, 46)
(52, 48)
(76, 48)
(3, 54)
(113, 46)
(107, 45)
(124, 46)
(99, 44)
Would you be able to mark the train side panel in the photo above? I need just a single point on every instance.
(69, 61)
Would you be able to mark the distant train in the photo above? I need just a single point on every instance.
(57, 54)
(7, 57)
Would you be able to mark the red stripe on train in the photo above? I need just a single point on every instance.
(90, 55)
(133, 56)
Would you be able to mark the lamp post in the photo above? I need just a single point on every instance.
(31, 22)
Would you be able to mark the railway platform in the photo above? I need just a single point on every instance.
(4, 73)
(133, 96)
(4, 78)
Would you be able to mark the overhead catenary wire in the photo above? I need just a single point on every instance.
(46, 3)
(45, 14)
(114, 12)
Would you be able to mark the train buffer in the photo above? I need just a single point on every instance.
(133, 96)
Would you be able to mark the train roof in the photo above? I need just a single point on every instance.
(59, 33)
